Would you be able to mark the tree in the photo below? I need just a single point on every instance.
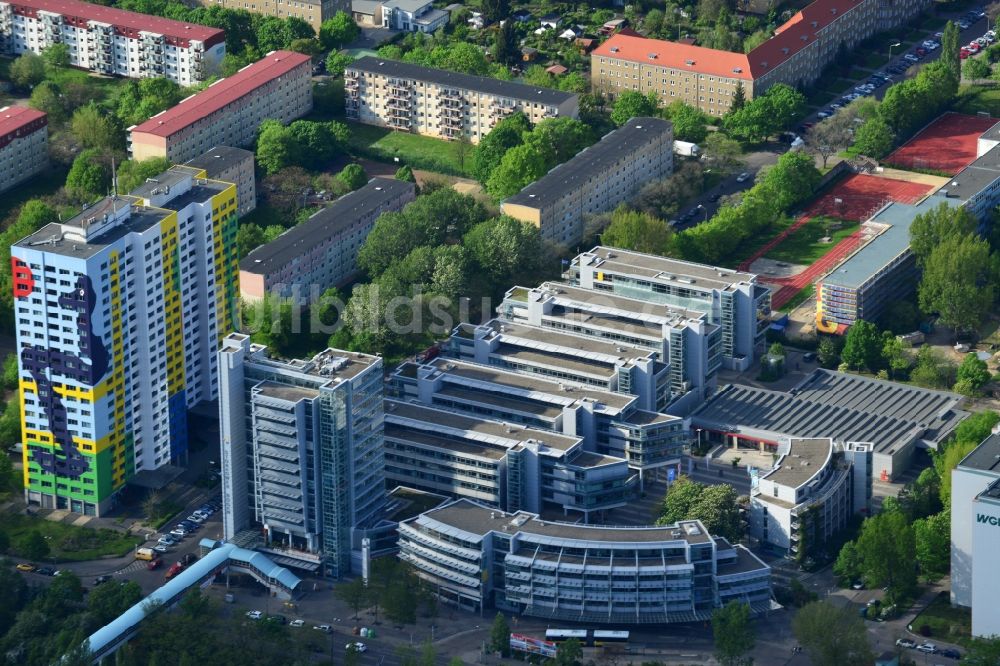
(762, 116)
(106, 602)
(958, 281)
(505, 247)
(733, 634)
(723, 153)
(792, 180)
(56, 55)
(848, 566)
(34, 546)
(94, 128)
(500, 634)
(715, 506)
(932, 370)
(950, 47)
(831, 635)
(739, 97)
(505, 135)
(354, 594)
(689, 122)
(874, 138)
(893, 354)
(47, 97)
(932, 536)
(887, 552)
(830, 136)
(973, 375)
(276, 147)
(559, 139)
(405, 173)
(495, 10)
(569, 653)
(641, 232)
(88, 178)
(862, 346)
(982, 652)
(354, 176)
(975, 69)
(151, 506)
(131, 173)
(27, 70)
(336, 63)
(632, 104)
(930, 229)
(338, 31)
(143, 99)
(272, 33)
(505, 49)
(520, 166)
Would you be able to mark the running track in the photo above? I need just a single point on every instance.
(855, 198)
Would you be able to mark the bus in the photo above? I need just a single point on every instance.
(604, 637)
(561, 635)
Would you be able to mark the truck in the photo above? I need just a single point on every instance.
(687, 149)
(145, 554)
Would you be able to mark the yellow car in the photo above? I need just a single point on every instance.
(24, 566)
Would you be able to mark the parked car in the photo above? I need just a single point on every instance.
(824, 114)
(927, 648)
(905, 642)
(100, 580)
(166, 540)
(951, 653)
(24, 566)
(174, 569)
(161, 549)
(358, 647)
(277, 619)
(154, 564)
(743, 177)
(296, 623)
(46, 571)
(964, 53)
(254, 614)
(195, 518)
(325, 628)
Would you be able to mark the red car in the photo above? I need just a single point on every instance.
(964, 53)
(175, 569)
(154, 564)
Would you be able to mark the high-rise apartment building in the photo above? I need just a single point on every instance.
(113, 41)
(595, 180)
(119, 314)
(229, 112)
(444, 104)
(302, 451)
(708, 78)
(24, 144)
(231, 165)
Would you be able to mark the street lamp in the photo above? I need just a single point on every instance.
(891, 47)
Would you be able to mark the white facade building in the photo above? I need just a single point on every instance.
(112, 41)
(972, 476)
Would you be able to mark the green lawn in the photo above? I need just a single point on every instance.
(838, 86)
(945, 622)
(67, 542)
(420, 152)
(973, 99)
(874, 60)
(798, 299)
(804, 246)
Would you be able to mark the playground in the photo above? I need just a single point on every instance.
(790, 263)
(947, 145)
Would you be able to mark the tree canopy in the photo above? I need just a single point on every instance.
(715, 506)
(641, 232)
(832, 635)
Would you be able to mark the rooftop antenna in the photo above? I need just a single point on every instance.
(114, 178)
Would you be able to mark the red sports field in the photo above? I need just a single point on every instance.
(855, 198)
(948, 144)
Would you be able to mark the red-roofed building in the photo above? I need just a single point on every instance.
(24, 144)
(707, 78)
(228, 112)
(113, 41)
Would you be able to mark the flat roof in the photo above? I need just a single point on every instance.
(843, 407)
(125, 19)
(324, 224)
(442, 77)
(504, 401)
(664, 268)
(537, 386)
(507, 435)
(13, 118)
(222, 93)
(602, 301)
(570, 175)
(51, 238)
(476, 518)
(744, 562)
(985, 457)
(974, 178)
(286, 392)
(544, 339)
(879, 252)
(219, 159)
(805, 459)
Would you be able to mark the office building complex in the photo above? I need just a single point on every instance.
(596, 180)
(302, 452)
(708, 78)
(231, 165)
(984, 515)
(895, 419)
(229, 112)
(477, 557)
(608, 423)
(441, 103)
(112, 41)
(882, 272)
(810, 494)
(313, 12)
(24, 144)
(119, 315)
(322, 252)
(977, 472)
(505, 466)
